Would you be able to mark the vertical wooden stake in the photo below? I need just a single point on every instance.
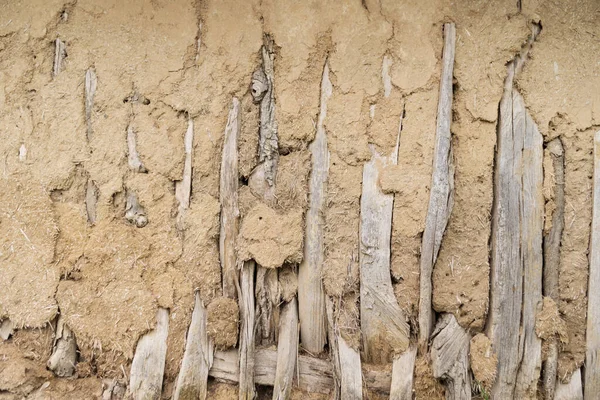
(287, 351)
(246, 299)
(91, 82)
(64, 355)
(571, 390)
(402, 375)
(592, 337)
(183, 188)
(442, 182)
(148, 366)
(197, 359)
(133, 159)
(60, 52)
(229, 202)
(311, 296)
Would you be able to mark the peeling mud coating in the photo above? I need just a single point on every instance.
(113, 120)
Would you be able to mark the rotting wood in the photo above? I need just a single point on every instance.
(266, 292)
(91, 82)
(91, 200)
(134, 212)
(60, 53)
(311, 296)
(450, 357)
(402, 375)
(592, 337)
(245, 359)
(192, 382)
(532, 226)
(148, 365)
(6, 329)
(572, 390)
(183, 188)
(287, 351)
(228, 196)
(112, 389)
(133, 158)
(64, 353)
(552, 260)
(441, 194)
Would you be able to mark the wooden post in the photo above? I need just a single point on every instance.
(442, 182)
(571, 390)
(592, 355)
(246, 349)
(287, 351)
(197, 359)
(402, 375)
(552, 259)
(148, 366)
(229, 202)
(311, 296)
(450, 357)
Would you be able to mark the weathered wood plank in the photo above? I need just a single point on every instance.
(441, 196)
(592, 337)
(311, 296)
(287, 351)
(246, 349)
(60, 52)
(402, 375)
(532, 226)
(228, 196)
(91, 83)
(450, 357)
(266, 293)
(148, 366)
(571, 390)
(192, 381)
(350, 371)
(64, 353)
(183, 188)
(552, 259)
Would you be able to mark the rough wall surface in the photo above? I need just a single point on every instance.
(66, 246)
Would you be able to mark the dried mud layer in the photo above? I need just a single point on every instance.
(92, 149)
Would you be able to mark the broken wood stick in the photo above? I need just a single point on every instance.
(228, 196)
(532, 226)
(552, 259)
(287, 351)
(183, 188)
(60, 52)
(246, 349)
(192, 382)
(133, 158)
(134, 212)
(441, 194)
(573, 389)
(311, 296)
(91, 82)
(91, 200)
(148, 366)
(592, 337)
(450, 357)
(402, 375)
(64, 353)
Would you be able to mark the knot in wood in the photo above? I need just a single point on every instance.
(259, 85)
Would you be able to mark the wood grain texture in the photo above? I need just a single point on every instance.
(64, 352)
(592, 354)
(442, 185)
(287, 351)
(148, 365)
(311, 296)
(402, 375)
(60, 52)
(245, 368)
(552, 260)
(450, 357)
(571, 390)
(192, 382)
(228, 196)
(183, 188)
(350, 371)
(91, 83)
(532, 226)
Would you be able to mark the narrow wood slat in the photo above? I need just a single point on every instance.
(402, 375)
(246, 348)
(573, 389)
(287, 351)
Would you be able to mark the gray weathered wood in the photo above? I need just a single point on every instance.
(64, 353)
(441, 196)
(60, 52)
(228, 196)
(350, 371)
(91, 83)
(532, 226)
(287, 351)
(183, 188)
(552, 260)
(592, 337)
(450, 357)
(148, 366)
(266, 293)
(134, 211)
(572, 390)
(311, 296)
(402, 375)
(6, 329)
(192, 381)
(246, 349)
(91, 200)
(133, 158)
